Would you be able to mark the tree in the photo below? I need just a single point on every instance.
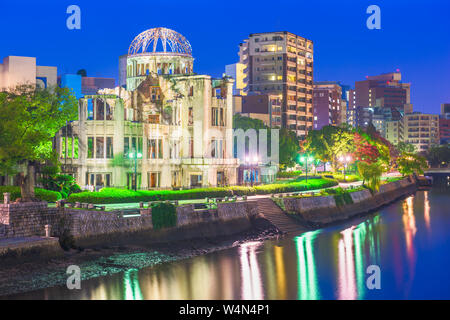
(82, 73)
(403, 147)
(329, 143)
(371, 174)
(289, 145)
(439, 156)
(29, 119)
(411, 163)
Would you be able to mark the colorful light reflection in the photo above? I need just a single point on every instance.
(131, 285)
(250, 274)
(306, 268)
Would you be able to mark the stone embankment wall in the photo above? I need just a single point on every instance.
(92, 227)
(323, 210)
(25, 219)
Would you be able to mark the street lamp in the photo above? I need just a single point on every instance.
(135, 156)
(345, 160)
(305, 159)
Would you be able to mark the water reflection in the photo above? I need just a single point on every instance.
(410, 229)
(330, 263)
(352, 246)
(131, 284)
(306, 267)
(280, 271)
(250, 274)
(426, 210)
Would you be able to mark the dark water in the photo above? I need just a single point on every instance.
(409, 240)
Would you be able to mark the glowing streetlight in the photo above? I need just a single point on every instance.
(345, 160)
(305, 159)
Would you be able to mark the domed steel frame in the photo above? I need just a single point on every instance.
(148, 39)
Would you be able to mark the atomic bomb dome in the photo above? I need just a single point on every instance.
(158, 51)
(160, 41)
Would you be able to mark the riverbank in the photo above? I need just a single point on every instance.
(197, 233)
(320, 211)
(111, 259)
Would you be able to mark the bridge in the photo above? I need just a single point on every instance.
(437, 170)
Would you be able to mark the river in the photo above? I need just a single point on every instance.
(408, 240)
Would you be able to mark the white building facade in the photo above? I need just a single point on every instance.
(170, 128)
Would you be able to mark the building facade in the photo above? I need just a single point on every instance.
(236, 71)
(327, 104)
(394, 131)
(24, 70)
(168, 129)
(281, 63)
(445, 110)
(264, 107)
(444, 131)
(383, 91)
(421, 130)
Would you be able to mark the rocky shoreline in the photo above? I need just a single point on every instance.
(102, 261)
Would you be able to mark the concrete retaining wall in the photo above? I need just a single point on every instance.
(91, 227)
(323, 210)
(25, 219)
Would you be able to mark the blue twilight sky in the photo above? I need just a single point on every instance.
(414, 36)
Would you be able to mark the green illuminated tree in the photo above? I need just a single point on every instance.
(329, 143)
(29, 119)
(411, 163)
(289, 145)
(403, 147)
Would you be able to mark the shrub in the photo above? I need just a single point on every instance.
(113, 195)
(349, 177)
(288, 174)
(41, 194)
(164, 215)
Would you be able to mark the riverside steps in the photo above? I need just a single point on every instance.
(273, 213)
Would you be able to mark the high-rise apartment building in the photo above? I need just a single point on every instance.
(327, 104)
(421, 130)
(385, 91)
(393, 131)
(281, 63)
(445, 110)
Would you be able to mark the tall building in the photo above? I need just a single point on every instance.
(394, 131)
(385, 91)
(24, 70)
(444, 124)
(421, 130)
(327, 104)
(281, 63)
(445, 110)
(236, 71)
(168, 128)
(444, 130)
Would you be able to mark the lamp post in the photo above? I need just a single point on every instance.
(305, 159)
(135, 156)
(345, 160)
